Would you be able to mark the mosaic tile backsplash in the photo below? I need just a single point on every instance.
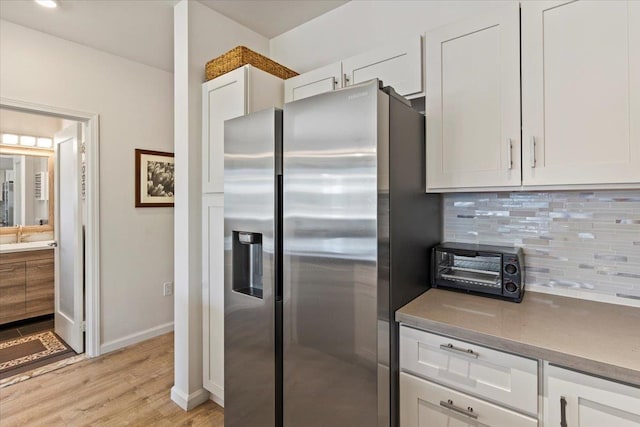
(585, 243)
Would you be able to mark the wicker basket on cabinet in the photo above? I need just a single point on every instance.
(241, 55)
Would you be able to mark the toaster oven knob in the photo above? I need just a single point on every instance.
(511, 269)
(511, 287)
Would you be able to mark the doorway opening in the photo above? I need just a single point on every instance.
(48, 233)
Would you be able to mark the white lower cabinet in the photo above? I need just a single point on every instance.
(495, 375)
(578, 400)
(426, 404)
(448, 382)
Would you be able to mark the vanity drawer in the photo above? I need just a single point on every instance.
(425, 404)
(494, 375)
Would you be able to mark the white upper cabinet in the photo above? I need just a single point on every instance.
(579, 400)
(223, 98)
(398, 65)
(231, 95)
(473, 102)
(581, 92)
(321, 80)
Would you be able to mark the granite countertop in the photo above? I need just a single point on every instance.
(593, 337)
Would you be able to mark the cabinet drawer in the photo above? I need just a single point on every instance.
(425, 404)
(494, 375)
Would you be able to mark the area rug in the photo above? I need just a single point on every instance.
(29, 352)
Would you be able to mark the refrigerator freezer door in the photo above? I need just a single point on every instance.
(252, 147)
(330, 259)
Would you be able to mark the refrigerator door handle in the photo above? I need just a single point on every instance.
(278, 282)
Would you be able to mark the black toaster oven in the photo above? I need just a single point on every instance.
(496, 271)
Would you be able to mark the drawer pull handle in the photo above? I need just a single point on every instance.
(461, 351)
(563, 412)
(468, 412)
(533, 151)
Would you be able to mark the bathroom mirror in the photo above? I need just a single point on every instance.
(26, 187)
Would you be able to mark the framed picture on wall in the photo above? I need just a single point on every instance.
(155, 175)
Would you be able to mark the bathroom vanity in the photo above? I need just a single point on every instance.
(27, 281)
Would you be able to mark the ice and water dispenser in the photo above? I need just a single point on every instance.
(247, 263)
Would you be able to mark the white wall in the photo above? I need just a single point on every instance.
(360, 25)
(28, 124)
(135, 104)
(200, 34)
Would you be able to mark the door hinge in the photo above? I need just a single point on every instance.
(83, 326)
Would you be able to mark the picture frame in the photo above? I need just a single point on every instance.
(155, 178)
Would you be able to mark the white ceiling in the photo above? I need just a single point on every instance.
(142, 30)
(270, 17)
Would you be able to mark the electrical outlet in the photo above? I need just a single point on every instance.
(168, 289)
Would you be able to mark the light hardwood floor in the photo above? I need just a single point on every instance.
(127, 387)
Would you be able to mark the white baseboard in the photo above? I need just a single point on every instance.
(136, 338)
(217, 399)
(189, 401)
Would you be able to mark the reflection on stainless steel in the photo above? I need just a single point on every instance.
(250, 168)
(356, 229)
(339, 362)
(330, 262)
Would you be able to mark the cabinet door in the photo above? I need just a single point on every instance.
(581, 92)
(213, 294)
(223, 98)
(321, 80)
(40, 286)
(12, 291)
(473, 102)
(589, 401)
(398, 65)
(426, 404)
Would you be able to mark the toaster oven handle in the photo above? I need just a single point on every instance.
(461, 351)
(463, 252)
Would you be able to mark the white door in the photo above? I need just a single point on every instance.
(586, 401)
(314, 82)
(473, 102)
(398, 65)
(581, 92)
(69, 255)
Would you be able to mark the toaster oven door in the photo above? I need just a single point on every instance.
(471, 271)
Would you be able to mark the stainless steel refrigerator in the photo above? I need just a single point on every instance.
(327, 231)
